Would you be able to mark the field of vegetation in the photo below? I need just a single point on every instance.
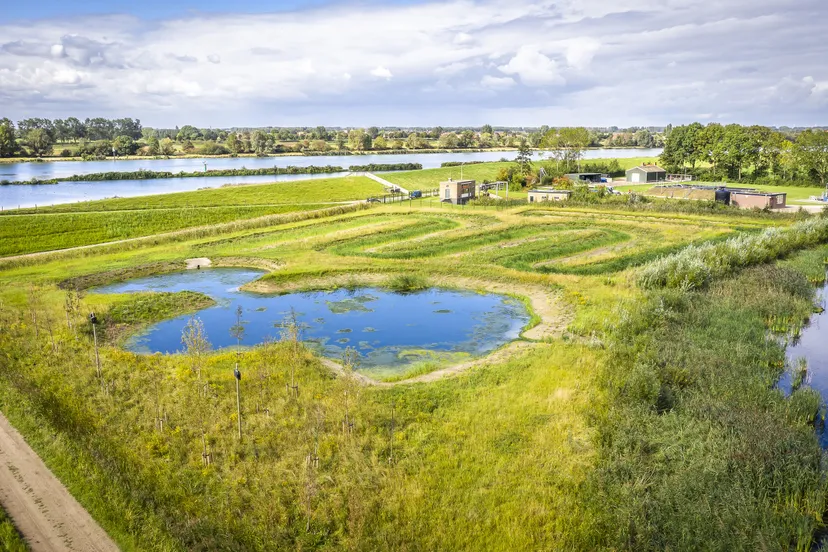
(86, 223)
(797, 195)
(10, 539)
(429, 178)
(634, 415)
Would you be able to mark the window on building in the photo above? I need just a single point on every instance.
(448, 193)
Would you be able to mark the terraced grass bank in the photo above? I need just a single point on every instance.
(626, 419)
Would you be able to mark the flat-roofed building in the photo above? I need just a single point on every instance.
(457, 191)
(539, 195)
(760, 200)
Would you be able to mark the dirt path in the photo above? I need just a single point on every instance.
(39, 505)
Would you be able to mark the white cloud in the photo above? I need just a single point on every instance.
(563, 62)
(462, 38)
(579, 52)
(533, 68)
(381, 72)
(497, 83)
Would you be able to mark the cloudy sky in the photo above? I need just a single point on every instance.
(464, 62)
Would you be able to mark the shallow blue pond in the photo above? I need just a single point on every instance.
(389, 330)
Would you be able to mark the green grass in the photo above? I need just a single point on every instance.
(427, 179)
(798, 195)
(10, 538)
(312, 191)
(650, 422)
(21, 234)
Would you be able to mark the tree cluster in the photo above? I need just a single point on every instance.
(731, 151)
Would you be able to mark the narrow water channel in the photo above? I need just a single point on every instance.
(812, 346)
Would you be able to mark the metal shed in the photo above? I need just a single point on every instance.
(584, 177)
(646, 173)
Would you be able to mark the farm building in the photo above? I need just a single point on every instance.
(584, 177)
(646, 173)
(548, 194)
(457, 192)
(754, 199)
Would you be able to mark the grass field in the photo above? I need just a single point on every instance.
(430, 178)
(623, 419)
(797, 195)
(86, 223)
(314, 191)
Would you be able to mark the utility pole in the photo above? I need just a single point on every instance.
(238, 332)
(238, 397)
(94, 321)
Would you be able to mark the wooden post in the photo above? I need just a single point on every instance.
(238, 399)
(97, 356)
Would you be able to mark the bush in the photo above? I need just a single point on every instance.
(697, 265)
(65, 153)
(407, 283)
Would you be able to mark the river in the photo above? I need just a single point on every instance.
(15, 196)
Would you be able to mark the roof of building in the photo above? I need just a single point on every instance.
(758, 193)
(549, 191)
(648, 168)
(583, 174)
(464, 181)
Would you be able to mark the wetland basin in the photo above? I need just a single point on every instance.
(392, 332)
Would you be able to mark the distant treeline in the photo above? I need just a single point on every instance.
(151, 175)
(458, 163)
(386, 167)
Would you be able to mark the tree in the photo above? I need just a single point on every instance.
(366, 142)
(8, 138)
(524, 159)
(414, 141)
(355, 138)
(259, 142)
(487, 129)
(39, 141)
(196, 344)
(76, 129)
(188, 132)
(123, 145)
(373, 132)
(233, 143)
(448, 140)
(380, 143)
(167, 148)
(811, 152)
(320, 133)
(566, 144)
(684, 144)
(466, 139)
(153, 146)
(644, 138)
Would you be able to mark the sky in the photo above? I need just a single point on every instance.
(417, 63)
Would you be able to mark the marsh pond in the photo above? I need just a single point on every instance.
(390, 331)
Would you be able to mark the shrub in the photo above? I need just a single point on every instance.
(406, 283)
(697, 265)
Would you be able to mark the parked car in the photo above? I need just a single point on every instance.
(374, 200)
(415, 194)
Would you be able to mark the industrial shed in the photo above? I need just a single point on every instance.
(646, 173)
(760, 200)
(584, 177)
(548, 194)
(457, 192)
